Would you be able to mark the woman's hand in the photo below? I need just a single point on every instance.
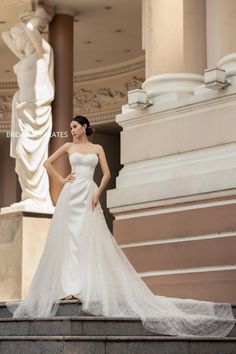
(69, 178)
(95, 199)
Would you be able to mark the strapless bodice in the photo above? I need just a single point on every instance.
(83, 164)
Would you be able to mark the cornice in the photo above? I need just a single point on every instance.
(111, 70)
(5, 126)
(179, 108)
(103, 117)
(95, 118)
(11, 85)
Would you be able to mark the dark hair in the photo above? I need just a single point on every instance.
(83, 120)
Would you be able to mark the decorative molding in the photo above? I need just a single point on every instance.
(11, 85)
(181, 239)
(5, 107)
(102, 117)
(177, 109)
(5, 126)
(94, 74)
(94, 118)
(120, 212)
(188, 270)
(110, 71)
(173, 206)
(187, 163)
(103, 98)
(100, 104)
(171, 87)
(170, 191)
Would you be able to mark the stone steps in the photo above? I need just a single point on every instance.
(76, 325)
(73, 331)
(67, 308)
(73, 326)
(115, 345)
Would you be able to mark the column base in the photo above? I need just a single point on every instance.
(171, 87)
(177, 176)
(228, 62)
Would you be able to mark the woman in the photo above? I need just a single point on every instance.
(82, 259)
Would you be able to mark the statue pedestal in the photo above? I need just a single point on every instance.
(29, 206)
(22, 238)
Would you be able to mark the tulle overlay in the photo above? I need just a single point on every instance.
(82, 258)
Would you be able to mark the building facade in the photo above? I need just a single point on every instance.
(172, 198)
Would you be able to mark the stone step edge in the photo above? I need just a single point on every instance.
(118, 338)
(64, 302)
(72, 318)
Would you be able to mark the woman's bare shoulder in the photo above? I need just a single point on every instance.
(97, 147)
(67, 146)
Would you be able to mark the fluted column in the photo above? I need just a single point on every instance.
(175, 46)
(61, 40)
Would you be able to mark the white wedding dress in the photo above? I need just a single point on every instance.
(82, 258)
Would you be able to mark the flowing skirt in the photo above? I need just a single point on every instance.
(82, 258)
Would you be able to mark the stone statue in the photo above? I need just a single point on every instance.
(31, 122)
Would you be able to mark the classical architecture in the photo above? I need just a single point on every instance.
(171, 202)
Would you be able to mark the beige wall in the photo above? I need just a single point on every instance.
(177, 132)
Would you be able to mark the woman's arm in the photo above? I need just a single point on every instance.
(105, 178)
(48, 163)
(105, 169)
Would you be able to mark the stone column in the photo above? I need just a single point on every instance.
(221, 28)
(61, 40)
(174, 43)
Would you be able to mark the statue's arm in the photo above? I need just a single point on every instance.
(40, 45)
(7, 38)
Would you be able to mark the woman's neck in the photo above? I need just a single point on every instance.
(82, 140)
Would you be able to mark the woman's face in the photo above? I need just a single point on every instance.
(77, 130)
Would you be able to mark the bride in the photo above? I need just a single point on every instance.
(82, 259)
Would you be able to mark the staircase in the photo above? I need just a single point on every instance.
(74, 332)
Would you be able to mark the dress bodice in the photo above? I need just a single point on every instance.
(83, 164)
